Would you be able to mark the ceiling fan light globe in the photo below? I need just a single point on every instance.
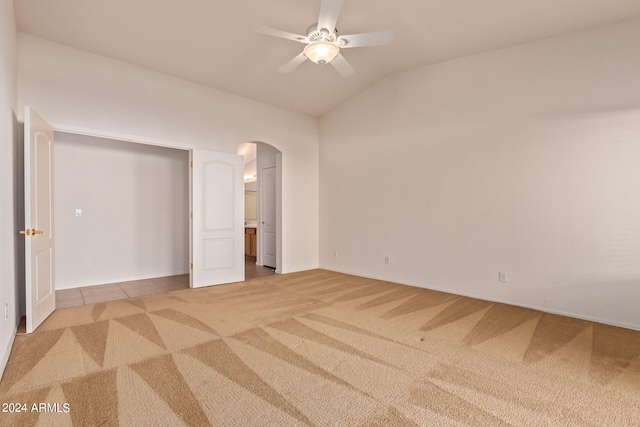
(321, 52)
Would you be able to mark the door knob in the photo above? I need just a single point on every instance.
(31, 232)
(261, 222)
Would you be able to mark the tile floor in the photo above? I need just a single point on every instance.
(251, 270)
(114, 291)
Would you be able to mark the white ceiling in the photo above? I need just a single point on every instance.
(211, 42)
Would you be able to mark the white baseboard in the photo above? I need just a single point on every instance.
(482, 297)
(121, 280)
(7, 351)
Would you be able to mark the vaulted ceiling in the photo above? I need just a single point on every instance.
(212, 42)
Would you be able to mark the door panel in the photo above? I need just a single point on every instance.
(218, 218)
(39, 232)
(218, 253)
(44, 264)
(268, 212)
(218, 191)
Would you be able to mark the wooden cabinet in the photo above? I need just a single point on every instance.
(250, 243)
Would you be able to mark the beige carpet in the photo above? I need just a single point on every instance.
(325, 349)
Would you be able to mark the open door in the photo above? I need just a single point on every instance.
(38, 208)
(217, 250)
(268, 224)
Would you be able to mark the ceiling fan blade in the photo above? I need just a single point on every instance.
(342, 66)
(329, 11)
(376, 38)
(289, 66)
(279, 33)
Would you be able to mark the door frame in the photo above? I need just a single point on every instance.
(57, 127)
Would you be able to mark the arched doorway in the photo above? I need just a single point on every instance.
(262, 171)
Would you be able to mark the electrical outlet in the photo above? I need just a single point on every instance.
(502, 276)
(6, 310)
(387, 260)
(87, 263)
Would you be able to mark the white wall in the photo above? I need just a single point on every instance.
(9, 157)
(524, 160)
(135, 211)
(69, 87)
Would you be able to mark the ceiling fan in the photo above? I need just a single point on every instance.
(323, 43)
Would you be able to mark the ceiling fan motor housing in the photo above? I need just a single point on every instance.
(314, 34)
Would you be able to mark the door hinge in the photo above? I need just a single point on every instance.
(190, 164)
(191, 266)
(191, 215)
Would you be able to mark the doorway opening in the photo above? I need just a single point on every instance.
(262, 185)
(122, 216)
(120, 180)
(212, 186)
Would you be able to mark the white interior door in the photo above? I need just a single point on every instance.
(267, 237)
(218, 218)
(39, 233)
